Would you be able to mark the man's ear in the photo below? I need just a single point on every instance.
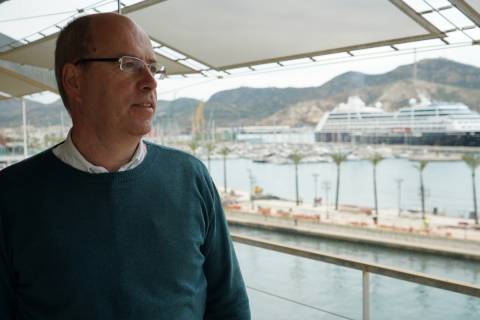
(71, 82)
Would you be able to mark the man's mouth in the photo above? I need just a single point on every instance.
(143, 105)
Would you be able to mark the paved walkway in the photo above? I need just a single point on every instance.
(439, 235)
(388, 220)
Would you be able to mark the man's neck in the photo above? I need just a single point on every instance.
(108, 153)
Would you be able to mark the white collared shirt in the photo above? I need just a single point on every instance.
(68, 153)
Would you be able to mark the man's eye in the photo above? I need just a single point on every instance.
(130, 65)
(153, 68)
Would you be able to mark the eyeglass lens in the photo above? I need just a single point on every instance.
(131, 64)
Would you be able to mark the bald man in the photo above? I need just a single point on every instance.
(105, 225)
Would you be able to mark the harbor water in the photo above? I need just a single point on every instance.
(282, 286)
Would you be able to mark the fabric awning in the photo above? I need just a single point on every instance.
(18, 81)
(471, 8)
(227, 34)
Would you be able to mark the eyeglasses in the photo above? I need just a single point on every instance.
(131, 65)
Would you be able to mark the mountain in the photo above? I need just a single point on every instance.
(436, 79)
(177, 112)
(38, 114)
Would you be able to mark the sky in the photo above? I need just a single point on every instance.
(311, 74)
(307, 75)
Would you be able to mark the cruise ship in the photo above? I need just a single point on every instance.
(437, 123)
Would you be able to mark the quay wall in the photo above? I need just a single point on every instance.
(423, 243)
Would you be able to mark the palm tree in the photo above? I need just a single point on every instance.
(375, 159)
(338, 158)
(473, 161)
(210, 147)
(296, 158)
(421, 166)
(194, 146)
(224, 152)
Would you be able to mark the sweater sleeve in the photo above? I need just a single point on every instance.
(226, 293)
(6, 290)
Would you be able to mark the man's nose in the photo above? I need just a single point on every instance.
(148, 81)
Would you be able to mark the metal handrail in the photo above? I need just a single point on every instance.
(366, 268)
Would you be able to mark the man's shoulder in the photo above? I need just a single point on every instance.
(27, 168)
(175, 156)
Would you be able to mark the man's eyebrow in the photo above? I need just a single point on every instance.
(149, 60)
(123, 54)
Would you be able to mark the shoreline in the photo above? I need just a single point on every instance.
(448, 236)
(436, 246)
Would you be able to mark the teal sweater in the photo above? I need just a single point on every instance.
(150, 243)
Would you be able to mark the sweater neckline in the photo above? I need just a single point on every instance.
(119, 176)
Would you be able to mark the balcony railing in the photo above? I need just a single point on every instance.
(366, 268)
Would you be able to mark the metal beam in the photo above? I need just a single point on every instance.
(467, 10)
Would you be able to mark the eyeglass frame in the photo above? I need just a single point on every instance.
(162, 71)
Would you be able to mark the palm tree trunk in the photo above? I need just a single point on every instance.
(475, 214)
(375, 194)
(225, 173)
(338, 187)
(297, 200)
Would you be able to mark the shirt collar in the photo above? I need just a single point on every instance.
(68, 153)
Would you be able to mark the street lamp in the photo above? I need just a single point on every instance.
(399, 184)
(251, 178)
(326, 188)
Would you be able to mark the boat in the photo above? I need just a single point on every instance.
(437, 123)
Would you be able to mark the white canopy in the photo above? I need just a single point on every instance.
(191, 36)
(17, 81)
(41, 54)
(471, 8)
(226, 34)
(229, 33)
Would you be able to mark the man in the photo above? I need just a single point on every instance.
(104, 225)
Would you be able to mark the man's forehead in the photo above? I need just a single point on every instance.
(116, 32)
(106, 25)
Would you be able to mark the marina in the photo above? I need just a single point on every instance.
(447, 184)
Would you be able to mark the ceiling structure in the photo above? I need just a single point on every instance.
(14, 85)
(471, 8)
(253, 32)
(18, 81)
(213, 37)
(245, 33)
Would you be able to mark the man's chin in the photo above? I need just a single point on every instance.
(141, 129)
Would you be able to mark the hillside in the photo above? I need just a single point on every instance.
(437, 79)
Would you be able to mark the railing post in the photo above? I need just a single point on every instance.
(365, 295)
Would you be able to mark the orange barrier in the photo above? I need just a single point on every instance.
(283, 213)
(234, 207)
(265, 211)
(359, 224)
(301, 216)
(355, 209)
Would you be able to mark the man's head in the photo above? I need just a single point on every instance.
(101, 98)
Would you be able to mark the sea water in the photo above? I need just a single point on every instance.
(448, 185)
(285, 287)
